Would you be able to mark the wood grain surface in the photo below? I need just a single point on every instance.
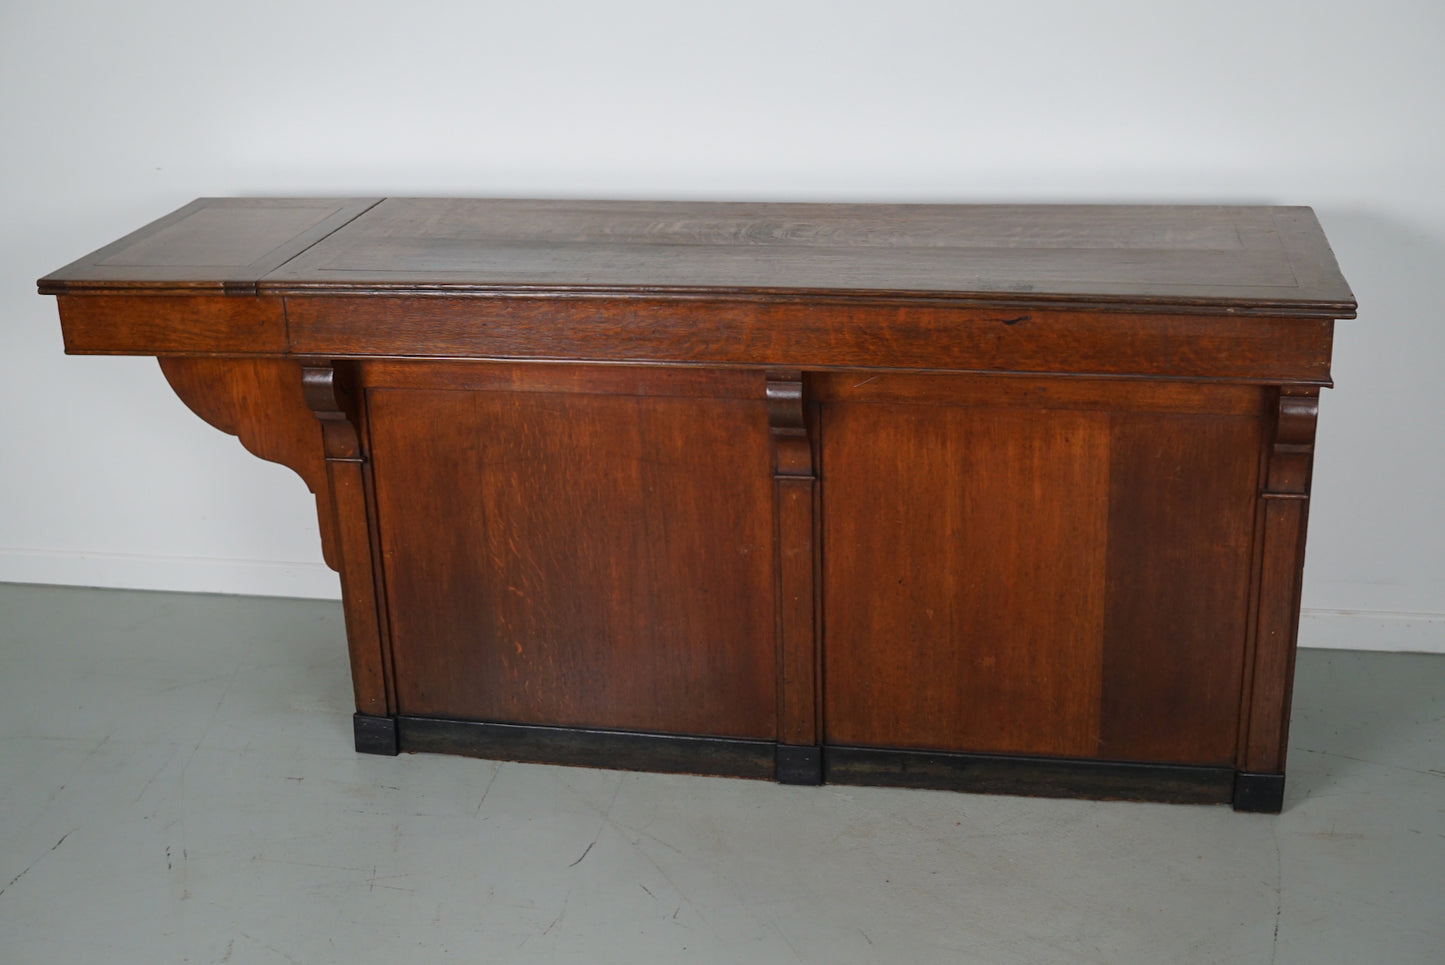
(584, 560)
(1271, 260)
(963, 568)
(211, 243)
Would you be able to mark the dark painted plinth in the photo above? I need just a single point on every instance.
(799, 764)
(375, 735)
(622, 750)
(1029, 776)
(805, 765)
(1261, 793)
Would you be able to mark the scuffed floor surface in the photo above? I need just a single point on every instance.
(177, 785)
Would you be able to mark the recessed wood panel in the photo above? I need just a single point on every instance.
(1181, 519)
(578, 560)
(964, 563)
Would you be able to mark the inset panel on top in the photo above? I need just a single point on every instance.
(1061, 253)
(210, 243)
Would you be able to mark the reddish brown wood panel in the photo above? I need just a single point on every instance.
(964, 564)
(1035, 392)
(815, 335)
(646, 380)
(1182, 492)
(172, 325)
(579, 560)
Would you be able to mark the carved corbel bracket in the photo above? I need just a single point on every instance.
(260, 402)
(1291, 457)
(332, 410)
(792, 449)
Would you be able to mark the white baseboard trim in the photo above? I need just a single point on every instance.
(1372, 630)
(176, 574)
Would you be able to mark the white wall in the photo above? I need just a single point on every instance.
(113, 114)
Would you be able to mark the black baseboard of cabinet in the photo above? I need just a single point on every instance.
(1260, 793)
(1029, 776)
(374, 735)
(580, 747)
(833, 764)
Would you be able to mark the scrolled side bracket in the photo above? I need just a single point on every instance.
(260, 402)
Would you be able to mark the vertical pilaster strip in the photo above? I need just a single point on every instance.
(795, 539)
(345, 466)
(1284, 512)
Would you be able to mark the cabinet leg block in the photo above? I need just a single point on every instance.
(800, 764)
(375, 735)
(1260, 793)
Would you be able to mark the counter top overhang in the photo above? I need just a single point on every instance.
(1164, 259)
(1245, 294)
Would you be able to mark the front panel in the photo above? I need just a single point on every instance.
(578, 558)
(1042, 567)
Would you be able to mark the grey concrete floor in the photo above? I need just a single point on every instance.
(177, 785)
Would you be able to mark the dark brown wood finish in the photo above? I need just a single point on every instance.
(947, 626)
(212, 244)
(111, 324)
(582, 576)
(1182, 494)
(822, 335)
(988, 497)
(1242, 259)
